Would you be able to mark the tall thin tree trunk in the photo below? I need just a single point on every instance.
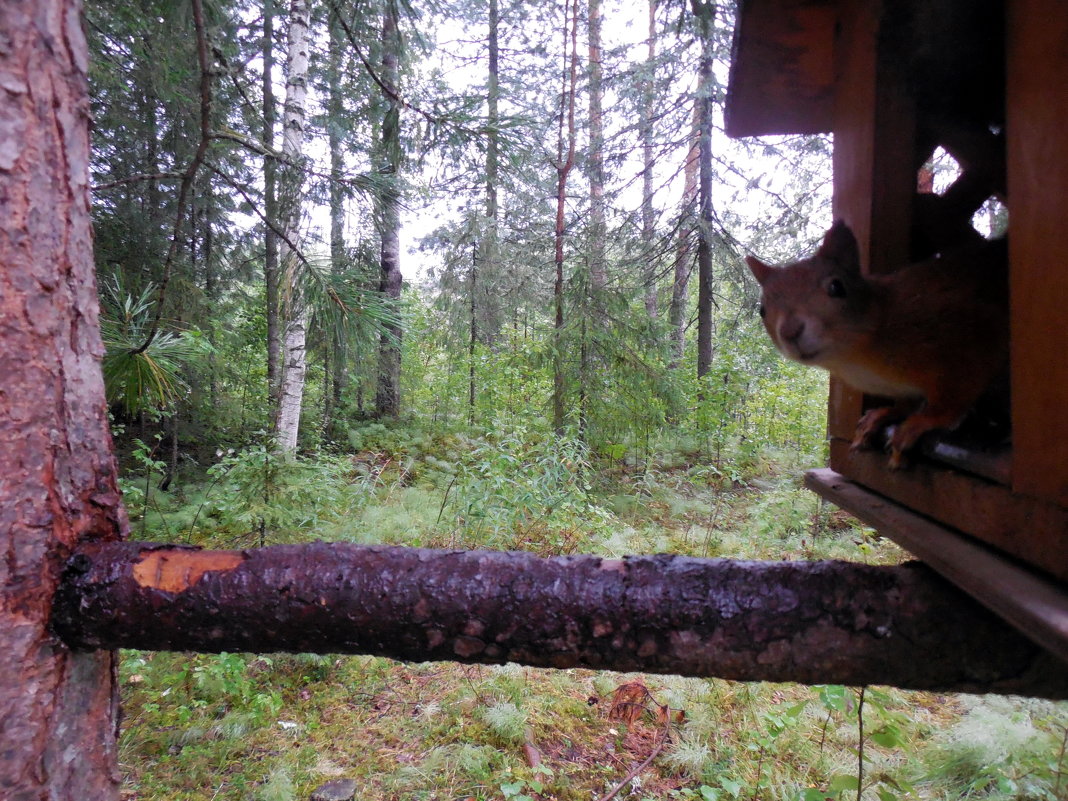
(487, 255)
(493, 119)
(387, 397)
(473, 338)
(648, 213)
(565, 160)
(705, 12)
(210, 287)
(271, 275)
(596, 155)
(294, 347)
(58, 707)
(680, 285)
(339, 371)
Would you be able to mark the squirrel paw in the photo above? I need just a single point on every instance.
(871, 426)
(911, 430)
(898, 459)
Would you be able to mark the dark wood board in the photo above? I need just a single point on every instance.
(1037, 108)
(782, 73)
(1033, 603)
(1027, 528)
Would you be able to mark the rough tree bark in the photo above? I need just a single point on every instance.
(814, 622)
(58, 708)
(294, 367)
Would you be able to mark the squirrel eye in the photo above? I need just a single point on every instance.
(836, 289)
(761, 310)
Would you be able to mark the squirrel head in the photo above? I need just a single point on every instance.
(817, 310)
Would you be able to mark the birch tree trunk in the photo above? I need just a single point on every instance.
(58, 708)
(294, 340)
(387, 397)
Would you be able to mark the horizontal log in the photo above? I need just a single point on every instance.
(810, 622)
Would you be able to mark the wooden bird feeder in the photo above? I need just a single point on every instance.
(984, 80)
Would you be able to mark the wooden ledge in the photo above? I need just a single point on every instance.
(1034, 604)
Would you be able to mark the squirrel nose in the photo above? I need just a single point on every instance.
(791, 330)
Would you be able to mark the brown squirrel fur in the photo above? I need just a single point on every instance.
(930, 337)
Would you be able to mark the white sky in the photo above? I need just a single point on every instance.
(625, 24)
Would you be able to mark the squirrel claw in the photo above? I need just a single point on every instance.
(871, 426)
(898, 460)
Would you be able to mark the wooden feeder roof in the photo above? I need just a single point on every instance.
(782, 70)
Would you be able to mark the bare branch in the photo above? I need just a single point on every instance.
(132, 179)
(271, 224)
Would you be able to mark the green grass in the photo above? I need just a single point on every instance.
(272, 728)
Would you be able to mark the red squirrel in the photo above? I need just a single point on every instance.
(930, 337)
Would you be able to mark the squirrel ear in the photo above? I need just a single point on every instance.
(840, 245)
(760, 270)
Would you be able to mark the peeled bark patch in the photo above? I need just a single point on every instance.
(177, 570)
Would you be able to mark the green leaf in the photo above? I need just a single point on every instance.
(731, 786)
(512, 789)
(842, 782)
(833, 697)
(888, 736)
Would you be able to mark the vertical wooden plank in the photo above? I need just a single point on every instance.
(874, 153)
(1037, 109)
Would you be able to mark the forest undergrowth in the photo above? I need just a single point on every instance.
(274, 727)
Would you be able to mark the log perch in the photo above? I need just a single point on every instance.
(811, 622)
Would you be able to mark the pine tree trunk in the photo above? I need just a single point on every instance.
(271, 274)
(294, 340)
(705, 11)
(565, 160)
(387, 397)
(58, 708)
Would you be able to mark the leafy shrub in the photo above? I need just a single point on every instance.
(262, 491)
(525, 491)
